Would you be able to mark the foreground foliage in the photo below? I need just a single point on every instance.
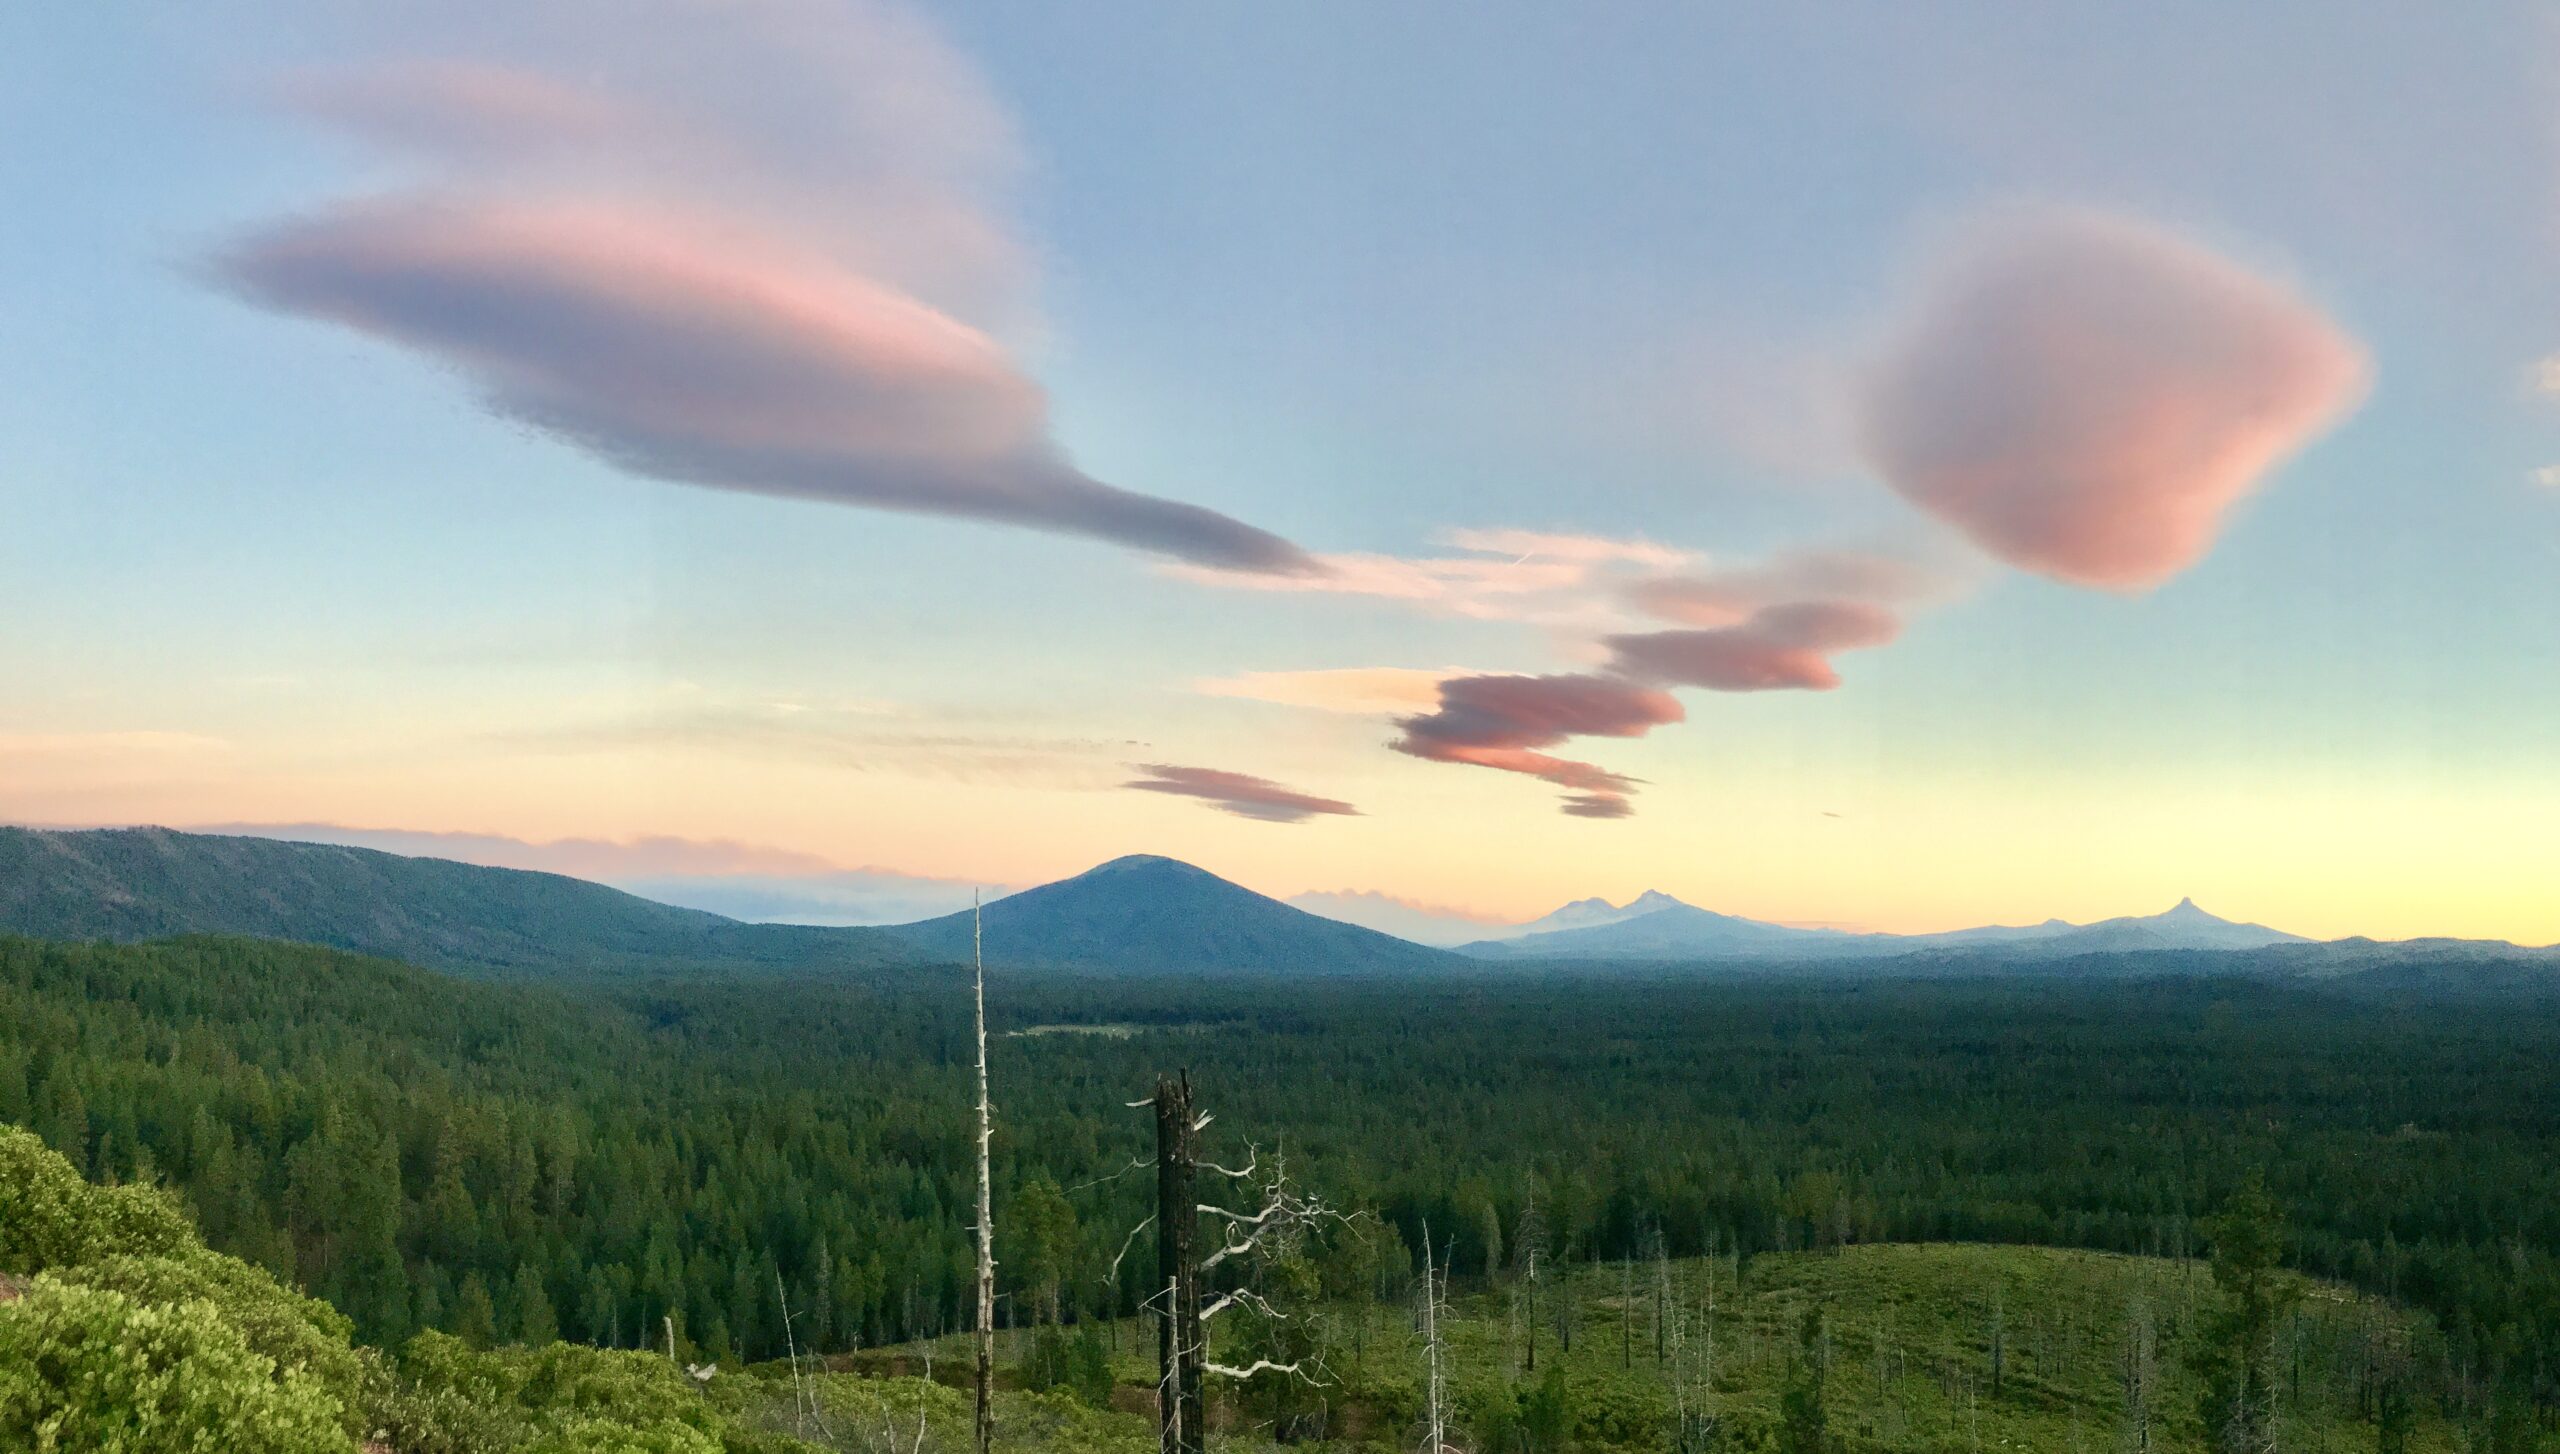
(121, 1334)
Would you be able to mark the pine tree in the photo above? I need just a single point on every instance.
(429, 1309)
(529, 1313)
(372, 1285)
(1805, 1425)
(475, 1318)
(2238, 1353)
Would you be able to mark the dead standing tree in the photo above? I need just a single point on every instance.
(986, 1202)
(1281, 1217)
(1180, 1348)
(1435, 1305)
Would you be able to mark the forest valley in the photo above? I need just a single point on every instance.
(1520, 1213)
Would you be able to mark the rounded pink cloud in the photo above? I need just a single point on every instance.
(2087, 397)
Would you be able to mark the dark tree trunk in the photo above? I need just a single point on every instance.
(1180, 1340)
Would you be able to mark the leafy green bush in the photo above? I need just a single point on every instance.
(50, 1217)
(87, 1370)
(296, 1333)
(561, 1398)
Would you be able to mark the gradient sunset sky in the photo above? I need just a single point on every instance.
(1902, 467)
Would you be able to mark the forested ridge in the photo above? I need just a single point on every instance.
(588, 1157)
(142, 883)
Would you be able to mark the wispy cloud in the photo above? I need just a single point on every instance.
(854, 736)
(1587, 549)
(1534, 577)
(656, 268)
(1727, 595)
(1785, 647)
(1365, 690)
(1239, 793)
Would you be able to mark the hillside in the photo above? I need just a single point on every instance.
(1143, 914)
(144, 883)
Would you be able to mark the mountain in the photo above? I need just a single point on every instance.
(2183, 927)
(1424, 924)
(144, 883)
(1671, 931)
(1594, 913)
(1677, 931)
(1156, 915)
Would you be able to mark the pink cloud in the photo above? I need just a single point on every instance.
(2087, 397)
(1555, 545)
(1233, 792)
(1500, 721)
(717, 271)
(1785, 647)
(1543, 578)
(1729, 596)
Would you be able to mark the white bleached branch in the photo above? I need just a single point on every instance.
(1136, 1163)
(1295, 1369)
(1113, 1276)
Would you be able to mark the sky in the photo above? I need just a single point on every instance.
(1904, 470)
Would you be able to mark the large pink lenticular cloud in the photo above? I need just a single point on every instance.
(731, 244)
(2086, 397)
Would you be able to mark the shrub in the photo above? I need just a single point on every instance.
(87, 1370)
(50, 1217)
(298, 1334)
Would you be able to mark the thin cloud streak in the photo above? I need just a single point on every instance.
(1778, 648)
(1241, 794)
(1358, 690)
(1537, 578)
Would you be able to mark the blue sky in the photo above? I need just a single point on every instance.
(1357, 280)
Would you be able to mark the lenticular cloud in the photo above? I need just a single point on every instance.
(2086, 397)
(647, 263)
(1242, 794)
(1500, 722)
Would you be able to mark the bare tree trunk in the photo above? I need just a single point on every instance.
(1626, 1313)
(986, 1204)
(1533, 1309)
(1179, 1345)
(1435, 1410)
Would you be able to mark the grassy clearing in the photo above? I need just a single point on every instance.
(1926, 1348)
